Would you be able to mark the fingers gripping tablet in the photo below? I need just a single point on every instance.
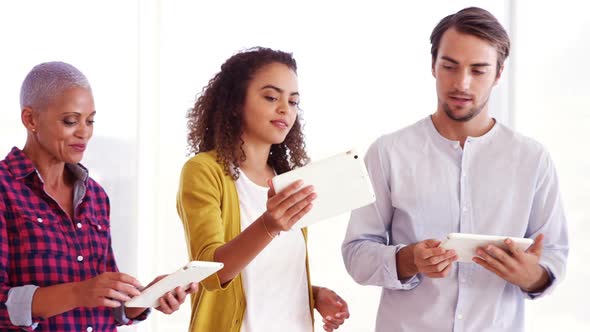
(341, 183)
(194, 271)
(466, 244)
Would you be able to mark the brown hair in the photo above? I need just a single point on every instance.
(215, 121)
(477, 22)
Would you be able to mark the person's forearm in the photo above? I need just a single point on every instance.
(404, 260)
(54, 300)
(240, 251)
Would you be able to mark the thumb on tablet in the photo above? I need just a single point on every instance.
(537, 247)
(432, 243)
(271, 190)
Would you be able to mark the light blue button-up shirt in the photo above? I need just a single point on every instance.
(427, 186)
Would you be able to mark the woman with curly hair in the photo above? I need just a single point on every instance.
(244, 129)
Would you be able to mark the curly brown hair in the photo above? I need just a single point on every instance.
(215, 121)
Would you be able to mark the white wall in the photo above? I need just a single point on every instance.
(552, 104)
(364, 70)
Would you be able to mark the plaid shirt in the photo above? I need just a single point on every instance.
(40, 245)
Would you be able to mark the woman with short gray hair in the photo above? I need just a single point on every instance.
(57, 268)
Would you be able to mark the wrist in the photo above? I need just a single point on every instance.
(132, 313)
(404, 260)
(271, 231)
(540, 281)
(315, 291)
(74, 297)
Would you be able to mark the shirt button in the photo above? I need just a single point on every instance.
(89, 329)
(99, 228)
(79, 225)
(40, 219)
(464, 209)
(459, 316)
(80, 258)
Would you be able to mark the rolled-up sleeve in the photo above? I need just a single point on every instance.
(19, 305)
(15, 302)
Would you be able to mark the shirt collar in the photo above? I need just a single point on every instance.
(21, 166)
(456, 144)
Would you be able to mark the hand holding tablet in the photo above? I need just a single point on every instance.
(341, 183)
(466, 244)
(194, 271)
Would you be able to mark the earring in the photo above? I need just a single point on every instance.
(34, 130)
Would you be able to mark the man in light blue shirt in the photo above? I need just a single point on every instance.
(458, 170)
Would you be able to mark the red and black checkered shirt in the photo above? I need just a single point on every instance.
(40, 245)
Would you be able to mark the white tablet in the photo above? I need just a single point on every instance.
(466, 244)
(341, 183)
(194, 271)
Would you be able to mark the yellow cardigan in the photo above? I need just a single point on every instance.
(208, 205)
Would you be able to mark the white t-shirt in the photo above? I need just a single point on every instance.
(275, 282)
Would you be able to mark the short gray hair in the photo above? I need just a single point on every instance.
(49, 80)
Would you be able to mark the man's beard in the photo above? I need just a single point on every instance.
(473, 112)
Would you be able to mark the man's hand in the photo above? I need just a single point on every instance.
(426, 257)
(515, 265)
